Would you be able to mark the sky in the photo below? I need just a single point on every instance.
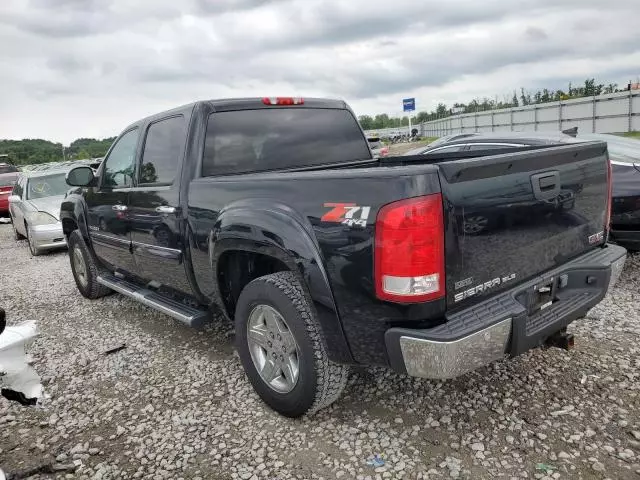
(87, 68)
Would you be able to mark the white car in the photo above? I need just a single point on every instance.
(34, 206)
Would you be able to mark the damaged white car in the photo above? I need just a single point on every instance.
(18, 379)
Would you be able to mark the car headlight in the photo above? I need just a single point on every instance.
(42, 218)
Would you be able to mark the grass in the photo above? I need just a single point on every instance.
(632, 135)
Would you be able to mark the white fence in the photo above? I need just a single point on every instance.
(610, 113)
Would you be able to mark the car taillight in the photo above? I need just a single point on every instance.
(409, 250)
(607, 215)
(282, 101)
(384, 151)
(5, 189)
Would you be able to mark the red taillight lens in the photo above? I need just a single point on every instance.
(384, 151)
(282, 101)
(5, 189)
(409, 250)
(607, 215)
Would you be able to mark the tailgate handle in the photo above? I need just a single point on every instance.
(546, 185)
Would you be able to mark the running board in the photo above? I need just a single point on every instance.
(190, 316)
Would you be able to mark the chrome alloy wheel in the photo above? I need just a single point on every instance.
(80, 266)
(273, 348)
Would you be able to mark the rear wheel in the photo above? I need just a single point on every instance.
(281, 349)
(85, 268)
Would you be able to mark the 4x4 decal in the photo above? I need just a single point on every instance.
(347, 213)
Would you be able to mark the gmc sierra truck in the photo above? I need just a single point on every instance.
(274, 211)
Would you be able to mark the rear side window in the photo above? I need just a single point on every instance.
(8, 180)
(269, 139)
(449, 149)
(490, 146)
(162, 149)
(7, 168)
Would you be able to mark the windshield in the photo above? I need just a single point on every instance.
(46, 186)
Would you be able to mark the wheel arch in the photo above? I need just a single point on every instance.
(247, 243)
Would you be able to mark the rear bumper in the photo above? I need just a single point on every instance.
(506, 325)
(48, 236)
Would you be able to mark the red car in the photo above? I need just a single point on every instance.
(6, 186)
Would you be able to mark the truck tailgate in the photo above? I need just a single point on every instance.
(514, 215)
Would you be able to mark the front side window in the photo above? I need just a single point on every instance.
(17, 188)
(119, 165)
(162, 149)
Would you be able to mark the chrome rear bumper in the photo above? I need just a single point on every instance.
(504, 325)
(426, 358)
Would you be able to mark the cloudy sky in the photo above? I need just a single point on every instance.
(86, 68)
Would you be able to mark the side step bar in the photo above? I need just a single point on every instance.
(190, 316)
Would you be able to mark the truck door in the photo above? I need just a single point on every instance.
(107, 204)
(154, 207)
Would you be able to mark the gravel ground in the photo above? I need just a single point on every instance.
(175, 403)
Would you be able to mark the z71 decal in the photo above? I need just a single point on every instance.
(347, 214)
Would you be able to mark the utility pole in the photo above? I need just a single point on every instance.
(63, 159)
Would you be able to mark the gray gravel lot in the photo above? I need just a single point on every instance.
(175, 402)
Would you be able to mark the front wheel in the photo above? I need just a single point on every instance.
(16, 234)
(85, 268)
(281, 349)
(35, 251)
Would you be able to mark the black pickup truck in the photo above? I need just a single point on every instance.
(274, 211)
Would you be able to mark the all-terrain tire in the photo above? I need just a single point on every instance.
(88, 284)
(320, 381)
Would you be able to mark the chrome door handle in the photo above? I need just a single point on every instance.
(119, 208)
(165, 209)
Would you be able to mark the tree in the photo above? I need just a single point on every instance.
(82, 154)
(514, 100)
(611, 88)
(366, 122)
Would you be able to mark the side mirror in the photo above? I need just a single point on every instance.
(14, 199)
(80, 177)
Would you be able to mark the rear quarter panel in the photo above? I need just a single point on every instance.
(316, 202)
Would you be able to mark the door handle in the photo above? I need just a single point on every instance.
(165, 209)
(119, 208)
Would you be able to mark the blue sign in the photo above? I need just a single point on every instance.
(409, 104)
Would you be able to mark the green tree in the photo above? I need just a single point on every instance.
(82, 154)
(366, 122)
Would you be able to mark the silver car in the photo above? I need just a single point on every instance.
(34, 206)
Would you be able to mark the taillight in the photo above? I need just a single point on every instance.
(409, 250)
(384, 151)
(282, 101)
(5, 189)
(607, 215)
